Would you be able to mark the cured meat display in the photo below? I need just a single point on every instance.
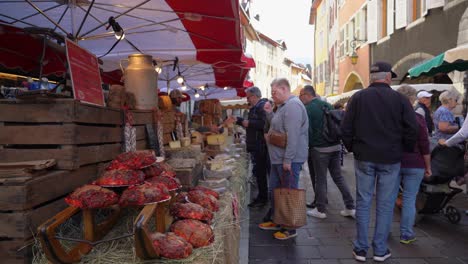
(171, 246)
(144, 194)
(191, 211)
(195, 232)
(120, 178)
(203, 199)
(181, 197)
(133, 160)
(171, 183)
(156, 169)
(209, 191)
(92, 196)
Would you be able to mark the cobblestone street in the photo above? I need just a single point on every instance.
(330, 240)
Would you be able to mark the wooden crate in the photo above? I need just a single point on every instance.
(23, 224)
(70, 132)
(16, 251)
(26, 204)
(68, 157)
(18, 195)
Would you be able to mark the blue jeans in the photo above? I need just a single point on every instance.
(275, 181)
(411, 180)
(385, 178)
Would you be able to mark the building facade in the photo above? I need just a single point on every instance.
(352, 34)
(428, 28)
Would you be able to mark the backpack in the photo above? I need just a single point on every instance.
(331, 128)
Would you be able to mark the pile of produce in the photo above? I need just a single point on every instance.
(203, 199)
(120, 178)
(133, 160)
(144, 194)
(208, 191)
(171, 246)
(92, 196)
(195, 232)
(191, 211)
(157, 169)
(170, 182)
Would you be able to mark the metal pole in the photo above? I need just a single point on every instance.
(47, 17)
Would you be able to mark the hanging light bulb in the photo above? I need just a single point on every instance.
(184, 87)
(202, 88)
(158, 69)
(197, 95)
(118, 30)
(180, 79)
(225, 87)
(119, 35)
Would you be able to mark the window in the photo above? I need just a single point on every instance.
(349, 37)
(416, 9)
(357, 26)
(341, 52)
(363, 21)
(320, 40)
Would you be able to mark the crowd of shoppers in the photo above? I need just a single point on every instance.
(389, 138)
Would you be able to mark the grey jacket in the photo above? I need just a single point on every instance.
(290, 118)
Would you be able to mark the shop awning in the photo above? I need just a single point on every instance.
(455, 59)
(205, 35)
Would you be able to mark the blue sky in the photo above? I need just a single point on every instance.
(288, 20)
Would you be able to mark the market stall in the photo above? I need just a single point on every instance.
(63, 137)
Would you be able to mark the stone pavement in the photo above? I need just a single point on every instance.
(330, 240)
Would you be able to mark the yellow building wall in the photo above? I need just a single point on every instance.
(321, 35)
(321, 43)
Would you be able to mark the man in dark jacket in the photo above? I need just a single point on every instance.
(378, 125)
(256, 145)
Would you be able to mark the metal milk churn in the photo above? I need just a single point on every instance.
(141, 80)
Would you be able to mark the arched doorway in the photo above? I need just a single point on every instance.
(353, 82)
(403, 65)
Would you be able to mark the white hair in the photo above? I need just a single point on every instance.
(447, 95)
(376, 76)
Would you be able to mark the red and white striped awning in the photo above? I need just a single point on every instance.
(205, 35)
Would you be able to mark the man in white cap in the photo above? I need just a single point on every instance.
(422, 108)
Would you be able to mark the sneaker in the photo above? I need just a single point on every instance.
(285, 234)
(407, 239)
(311, 205)
(383, 257)
(315, 213)
(269, 226)
(348, 213)
(360, 255)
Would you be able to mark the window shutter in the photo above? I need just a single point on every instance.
(372, 23)
(401, 13)
(390, 16)
(434, 3)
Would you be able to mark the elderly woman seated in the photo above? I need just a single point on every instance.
(444, 120)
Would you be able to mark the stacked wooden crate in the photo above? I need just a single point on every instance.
(168, 124)
(79, 137)
(210, 113)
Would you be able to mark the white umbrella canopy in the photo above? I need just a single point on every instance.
(204, 35)
(210, 93)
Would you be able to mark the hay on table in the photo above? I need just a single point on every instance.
(122, 251)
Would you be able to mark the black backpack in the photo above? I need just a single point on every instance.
(331, 131)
